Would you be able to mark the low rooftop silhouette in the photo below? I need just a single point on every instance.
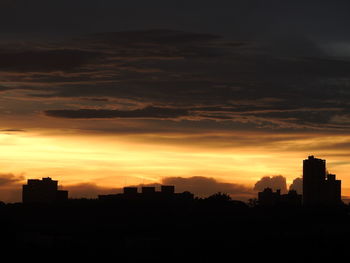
(268, 198)
(42, 191)
(148, 193)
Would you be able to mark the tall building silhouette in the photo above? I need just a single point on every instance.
(319, 188)
(42, 191)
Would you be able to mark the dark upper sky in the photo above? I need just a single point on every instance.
(268, 64)
(321, 20)
(275, 61)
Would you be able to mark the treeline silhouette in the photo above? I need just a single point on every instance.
(213, 229)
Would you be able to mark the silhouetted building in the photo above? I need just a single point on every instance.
(61, 195)
(167, 192)
(314, 174)
(332, 190)
(148, 190)
(319, 188)
(291, 199)
(42, 191)
(168, 189)
(268, 198)
(130, 190)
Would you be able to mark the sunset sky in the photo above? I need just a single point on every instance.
(104, 94)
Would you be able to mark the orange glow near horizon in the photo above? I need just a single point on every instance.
(117, 161)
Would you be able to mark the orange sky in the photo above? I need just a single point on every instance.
(116, 161)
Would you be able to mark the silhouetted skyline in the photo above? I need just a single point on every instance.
(146, 224)
(319, 189)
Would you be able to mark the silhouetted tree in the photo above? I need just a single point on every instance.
(253, 202)
(219, 197)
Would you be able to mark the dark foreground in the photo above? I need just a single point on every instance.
(197, 231)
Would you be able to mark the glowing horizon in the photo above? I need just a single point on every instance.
(116, 161)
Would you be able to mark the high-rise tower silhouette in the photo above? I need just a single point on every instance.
(314, 174)
(319, 188)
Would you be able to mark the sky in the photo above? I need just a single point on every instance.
(104, 94)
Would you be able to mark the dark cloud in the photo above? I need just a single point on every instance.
(273, 182)
(252, 115)
(240, 18)
(149, 112)
(204, 186)
(44, 60)
(12, 130)
(3, 88)
(253, 84)
(137, 39)
(297, 185)
(10, 179)
(293, 44)
(10, 187)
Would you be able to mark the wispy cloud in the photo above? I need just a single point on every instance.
(166, 74)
